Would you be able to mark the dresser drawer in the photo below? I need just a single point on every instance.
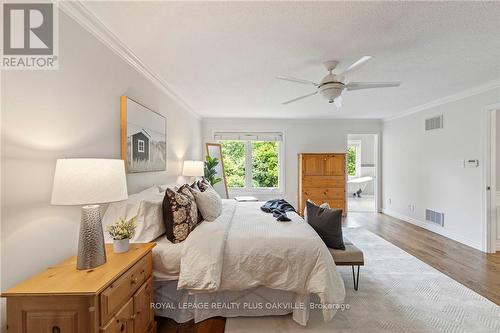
(323, 181)
(324, 193)
(113, 297)
(123, 321)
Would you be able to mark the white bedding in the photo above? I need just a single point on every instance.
(166, 259)
(169, 303)
(246, 248)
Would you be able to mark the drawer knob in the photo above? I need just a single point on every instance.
(134, 280)
(56, 329)
(122, 328)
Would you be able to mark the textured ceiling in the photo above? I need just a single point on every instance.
(221, 57)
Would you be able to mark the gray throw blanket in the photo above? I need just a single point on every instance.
(278, 207)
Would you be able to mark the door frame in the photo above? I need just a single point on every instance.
(377, 189)
(489, 200)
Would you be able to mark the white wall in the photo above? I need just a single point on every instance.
(70, 112)
(497, 146)
(424, 168)
(300, 136)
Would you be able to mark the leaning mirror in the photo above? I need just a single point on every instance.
(214, 150)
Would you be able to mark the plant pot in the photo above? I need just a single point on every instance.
(120, 245)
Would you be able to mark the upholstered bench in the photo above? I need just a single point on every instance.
(351, 256)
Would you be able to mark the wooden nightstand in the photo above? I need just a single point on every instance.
(114, 297)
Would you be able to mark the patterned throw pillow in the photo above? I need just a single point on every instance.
(209, 203)
(204, 185)
(180, 213)
(194, 186)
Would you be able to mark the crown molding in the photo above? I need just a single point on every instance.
(448, 99)
(89, 21)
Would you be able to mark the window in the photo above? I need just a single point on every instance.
(354, 158)
(233, 154)
(140, 146)
(252, 161)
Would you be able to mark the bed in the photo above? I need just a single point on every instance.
(245, 263)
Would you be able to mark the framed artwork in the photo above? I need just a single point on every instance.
(143, 137)
(215, 150)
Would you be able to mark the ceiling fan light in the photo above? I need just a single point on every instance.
(330, 91)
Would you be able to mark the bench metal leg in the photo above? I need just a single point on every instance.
(355, 278)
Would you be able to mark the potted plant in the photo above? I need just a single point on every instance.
(210, 172)
(121, 232)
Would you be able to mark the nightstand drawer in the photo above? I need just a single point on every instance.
(66, 300)
(123, 321)
(113, 297)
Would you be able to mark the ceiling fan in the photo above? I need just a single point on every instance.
(332, 85)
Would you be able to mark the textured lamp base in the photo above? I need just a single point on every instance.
(91, 251)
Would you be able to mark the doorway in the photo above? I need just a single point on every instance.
(362, 160)
(492, 179)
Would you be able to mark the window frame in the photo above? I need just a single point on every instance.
(139, 150)
(357, 146)
(248, 187)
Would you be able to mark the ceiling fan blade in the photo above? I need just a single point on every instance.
(369, 85)
(301, 97)
(338, 102)
(356, 65)
(297, 80)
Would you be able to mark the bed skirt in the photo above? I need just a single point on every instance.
(182, 306)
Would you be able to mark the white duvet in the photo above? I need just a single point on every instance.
(246, 248)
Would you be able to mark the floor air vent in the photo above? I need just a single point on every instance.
(434, 123)
(434, 217)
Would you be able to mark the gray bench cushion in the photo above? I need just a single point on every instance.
(351, 255)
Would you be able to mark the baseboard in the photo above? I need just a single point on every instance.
(436, 229)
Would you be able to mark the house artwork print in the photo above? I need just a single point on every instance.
(144, 138)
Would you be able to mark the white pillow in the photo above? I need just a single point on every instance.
(149, 191)
(146, 207)
(209, 203)
(323, 205)
(163, 188)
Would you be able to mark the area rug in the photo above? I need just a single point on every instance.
(397, 293)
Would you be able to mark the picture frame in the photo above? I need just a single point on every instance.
(143, 137)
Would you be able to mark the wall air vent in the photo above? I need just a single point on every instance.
(434, 123)
(434, 217)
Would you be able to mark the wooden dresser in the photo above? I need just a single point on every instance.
(322, 178)
(112, 298)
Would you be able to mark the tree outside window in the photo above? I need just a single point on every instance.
(265, 171)
(354, 158)
(351, 161)
(233, 155)
(251, 164)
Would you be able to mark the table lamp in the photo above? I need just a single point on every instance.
(193, 169)
(89, 182)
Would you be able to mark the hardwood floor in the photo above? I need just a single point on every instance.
(212, 325)
(472, 268)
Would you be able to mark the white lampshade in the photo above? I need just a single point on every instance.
(84, 181)
(193, 169)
